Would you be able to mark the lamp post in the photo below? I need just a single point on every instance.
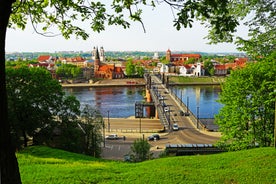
(108, 122)
(169, 117)
(103, 132)
(197, 119)
(140, 126)
(187, 104)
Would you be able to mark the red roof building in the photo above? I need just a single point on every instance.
(180, 57)
(45, 58)
(106, 71)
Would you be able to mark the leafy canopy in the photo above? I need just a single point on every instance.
(248, 96)
(221, 18)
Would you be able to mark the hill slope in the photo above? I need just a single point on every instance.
(46, 165)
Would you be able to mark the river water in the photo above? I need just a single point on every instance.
(118, 102)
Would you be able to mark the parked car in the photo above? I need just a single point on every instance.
(153, 137)
(166, 109)
(112, 137)
(175, 127)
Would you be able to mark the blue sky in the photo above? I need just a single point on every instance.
(160, 35)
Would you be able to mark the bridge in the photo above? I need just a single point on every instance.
(169, 108)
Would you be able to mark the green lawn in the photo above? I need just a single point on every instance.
(195, 80)
(46, 165)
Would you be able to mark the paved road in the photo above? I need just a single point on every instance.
(187, 133)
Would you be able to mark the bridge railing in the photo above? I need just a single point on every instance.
(192, 116)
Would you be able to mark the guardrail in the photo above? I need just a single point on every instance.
(133, 130)
(191, 149)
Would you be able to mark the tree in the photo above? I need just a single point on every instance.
(221, 18)
(130, 68)
(68, 71)
(208, 65)
(140, 150)
(248, 96)
(33, 100)
(71, 136)
(92, 126)
(140, 71)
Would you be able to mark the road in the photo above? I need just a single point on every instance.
(130, 127)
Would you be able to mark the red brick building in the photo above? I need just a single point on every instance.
(106, 71)
(180, 57)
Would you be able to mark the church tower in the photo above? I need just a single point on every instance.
(102, 57)
(93, 53)
(96, 58)
(168, 55)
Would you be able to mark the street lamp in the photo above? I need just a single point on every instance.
(103, 132)
(197, 112)
(187, 104)
(108, 122)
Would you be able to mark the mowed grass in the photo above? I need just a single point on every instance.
(196, 80)
(46, 165)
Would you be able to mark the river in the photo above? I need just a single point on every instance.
(118, 102)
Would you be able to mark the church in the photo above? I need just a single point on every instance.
(181, 57)
(103, 70)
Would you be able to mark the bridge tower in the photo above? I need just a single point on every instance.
(150, 109)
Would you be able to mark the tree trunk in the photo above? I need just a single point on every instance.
(9, 171)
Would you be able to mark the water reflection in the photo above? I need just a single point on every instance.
(202, 97)
(119, 101)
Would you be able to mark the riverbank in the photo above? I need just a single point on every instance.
(141, 82)
(109, 82)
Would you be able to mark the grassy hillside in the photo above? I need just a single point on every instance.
(46, 165)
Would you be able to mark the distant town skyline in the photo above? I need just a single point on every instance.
(160, 36)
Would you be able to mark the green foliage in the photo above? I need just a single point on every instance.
(55, 12)
(33, 100)
(92, 125)
(140, 151)
(140, 71)
(46, 165)
(261, 22)
(68, 137)
(220, 17)
(209, 68)
(248, 96)
(130, 68)
(68, 71)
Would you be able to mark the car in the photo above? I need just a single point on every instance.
(154, 137)
(166, 109)
(181, 113)
(161, 98)
(112, 137)
(175, 127)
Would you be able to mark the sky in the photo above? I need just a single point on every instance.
(160, 36)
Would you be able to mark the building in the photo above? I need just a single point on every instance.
(45, 59)
(105, 71)
(181, 57)
(100, 54)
